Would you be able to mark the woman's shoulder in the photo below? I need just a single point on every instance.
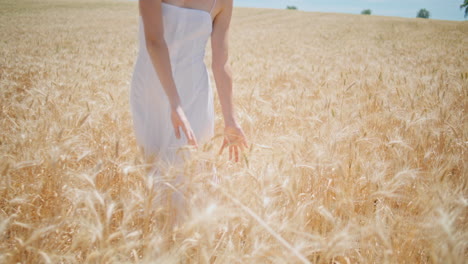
(221, 5)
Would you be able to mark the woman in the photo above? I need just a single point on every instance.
(170, 89)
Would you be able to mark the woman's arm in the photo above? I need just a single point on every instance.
(234, 137)
(151, 12)
(220, 66)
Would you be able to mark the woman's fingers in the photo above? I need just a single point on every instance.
(236, 153)
(178, 122)
(222, 147)
(189, 134)
(235, 147)
(194, 140)
(177, 132)
(235, 140)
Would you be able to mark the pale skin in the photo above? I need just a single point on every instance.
(151, 12)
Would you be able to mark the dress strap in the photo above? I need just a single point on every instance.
(214, 3)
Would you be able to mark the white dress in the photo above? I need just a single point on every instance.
(186, 32)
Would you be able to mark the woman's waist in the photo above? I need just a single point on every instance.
(195, 61)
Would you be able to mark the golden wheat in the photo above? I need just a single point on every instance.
(357, 127)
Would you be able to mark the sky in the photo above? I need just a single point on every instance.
(439, 9)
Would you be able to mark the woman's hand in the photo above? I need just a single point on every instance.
(180, 120)
(234, 138)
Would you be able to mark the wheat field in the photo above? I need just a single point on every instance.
(356, 124)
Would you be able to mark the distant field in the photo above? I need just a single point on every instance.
(357, 124)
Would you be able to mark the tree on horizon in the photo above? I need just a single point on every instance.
(366, 12)
(465, 5)
(423, 13)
